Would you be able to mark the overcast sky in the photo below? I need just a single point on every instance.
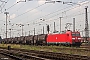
(30, 13)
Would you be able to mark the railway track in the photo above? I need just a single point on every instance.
(85, 47)
(22, 54)
(10, 57)
(4, 57)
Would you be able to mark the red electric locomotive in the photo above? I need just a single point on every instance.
(68, 38)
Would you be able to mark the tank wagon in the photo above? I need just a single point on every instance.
(29, 40)
(41, 39)
(67, 38)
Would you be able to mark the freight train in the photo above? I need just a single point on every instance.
(67, 38)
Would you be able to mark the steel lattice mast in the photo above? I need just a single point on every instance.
(86, 24)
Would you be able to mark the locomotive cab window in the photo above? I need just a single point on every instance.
(75, 34)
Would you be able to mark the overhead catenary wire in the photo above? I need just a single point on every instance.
(31, 10)
(63, 18)
(64, 11)
(68, 9)
(28, 11)
(10, 6)
(3, 4)
(37, 11)
(46, 20)
(3, 8)
(50, 13)
(3, 1)
(19, 8)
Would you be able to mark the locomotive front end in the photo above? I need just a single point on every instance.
(76, 39)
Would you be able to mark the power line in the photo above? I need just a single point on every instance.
(50, 13)
(4, 5)
(61, 10)
(18, 8)
(15, 4)
(68, 10)
(69, 16)
(12, 5)
(3, 1)
(37, 12)
(63, 17)
(29, 11)
(22, 6)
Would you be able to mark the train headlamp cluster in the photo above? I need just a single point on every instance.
(76, 38)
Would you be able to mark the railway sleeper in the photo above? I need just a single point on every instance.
(34, 57)
(54, 56)
(70, 58)
(20, 54)
(14, 54)
(85, 58)
(51, 57)
(30, 56)
(14, 57)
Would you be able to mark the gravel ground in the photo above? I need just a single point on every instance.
(2, 57)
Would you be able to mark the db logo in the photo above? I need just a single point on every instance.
(56, 37)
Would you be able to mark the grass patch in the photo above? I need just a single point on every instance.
(12, 45)
(60, 49)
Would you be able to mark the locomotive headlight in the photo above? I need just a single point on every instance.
(73, 38)
(79, 38)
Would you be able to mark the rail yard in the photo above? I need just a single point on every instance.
(44, 30)
(40, 52)
(21, 54)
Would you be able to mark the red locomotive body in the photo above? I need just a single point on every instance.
(70, 38)
(58, 38)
